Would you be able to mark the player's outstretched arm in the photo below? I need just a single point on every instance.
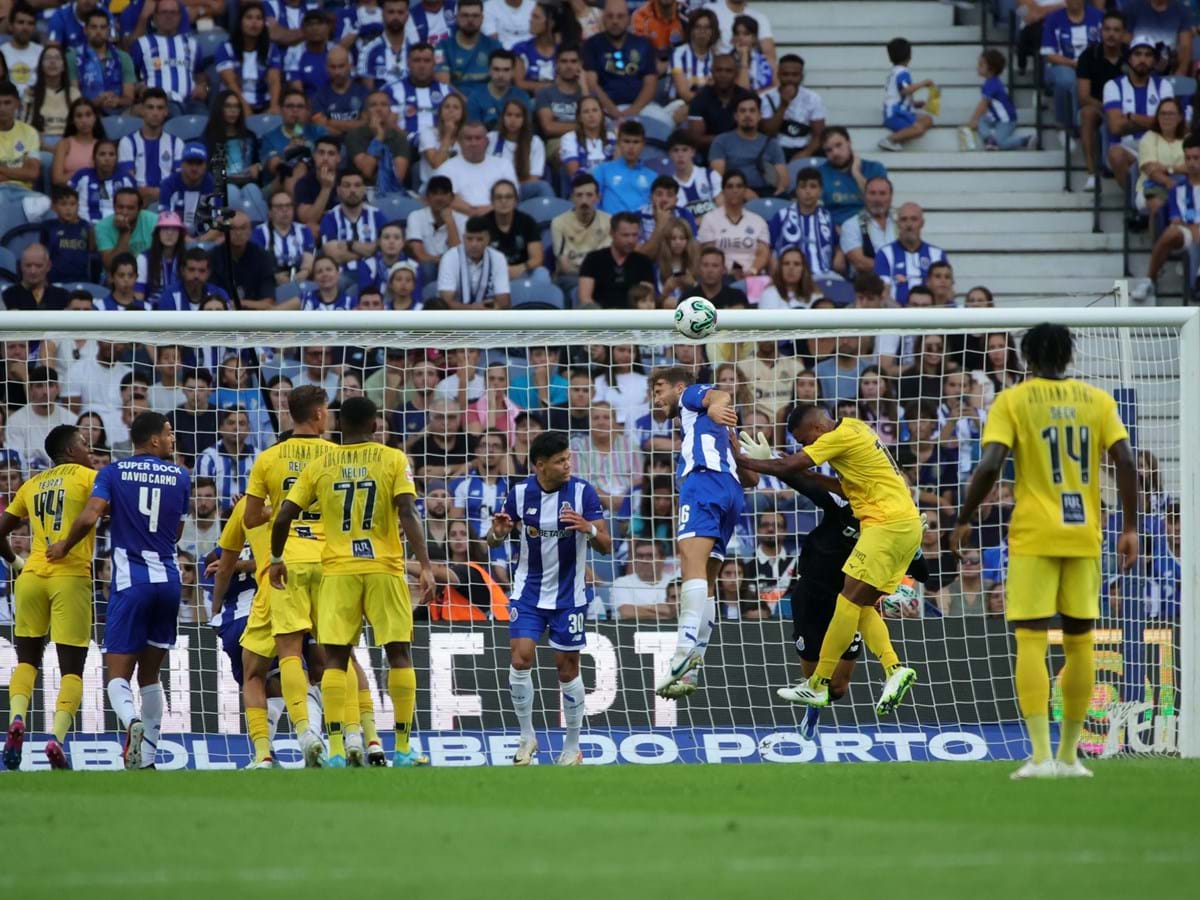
(414, 534)
(795, 463)
(96, 507)
(1121, 454)
(279, 536)
(991, 464)
(8, 524)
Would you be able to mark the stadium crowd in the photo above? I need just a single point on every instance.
(388, 156)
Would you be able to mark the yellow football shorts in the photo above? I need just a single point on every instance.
(60, 605)
(883, 554)
(382, 597)
(1039, 587)
(257, 636)
(295, 607)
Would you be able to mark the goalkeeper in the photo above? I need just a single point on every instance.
(888, 540)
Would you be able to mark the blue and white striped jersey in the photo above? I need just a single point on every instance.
(110, 304)
(1000, 105)
(904, 269)
(594, 151)
(344, 301)
(416, 107)
(552, 559)
(365, 22)
(151, 159)
(430, 27)
(648, 223)
(288, 249)
(251, 72)
(699, 193)
(335, 226)
(1122, 94)
(176, 196)
(537, 67)
(1184, 202)
(169, 63)
(696, 69)
(893, 100)
(480, 499)
(289, 16)
(230, 471)
(705, 443)
(96, 193)
(380, 62)
(148, 498)
(815, 234)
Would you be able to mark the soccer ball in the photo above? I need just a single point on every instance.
(905, 603)
(695, 318)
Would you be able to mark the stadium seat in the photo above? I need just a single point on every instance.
(12, 215)
(262, 124)
(186, 128)
(767, 206)
(116, 127)
(795, 166)
(8, 264)
(288, 290)
(527, 291)
(654, 157)
(207, 43)
(544, 209)
(662, 165)
(840, 292)
(430, 292)
(657, 131)
(396, 207)
(98, 291)
(16, 239)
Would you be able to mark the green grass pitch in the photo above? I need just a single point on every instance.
(886, 831)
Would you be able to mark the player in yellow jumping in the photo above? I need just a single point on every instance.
(51, 597)
(290, 614)
(366, 495)
(889, 537)
(1057, 429)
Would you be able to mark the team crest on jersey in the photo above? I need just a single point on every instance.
(533, 531)
(19, 146)
(566, 507)
(165, 157)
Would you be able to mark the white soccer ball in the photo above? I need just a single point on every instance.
(695, 318)
(905, 603)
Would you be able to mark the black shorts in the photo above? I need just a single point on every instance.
(813, 603)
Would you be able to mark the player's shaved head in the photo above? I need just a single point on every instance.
(58, 443)
(1048, 349)
(306, 402)
(357, 416)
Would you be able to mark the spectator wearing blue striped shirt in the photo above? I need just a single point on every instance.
(995, 116)
(97, 185)
(905, 263)
(167, 58)
(289, 243)
(1183, 232)
(385, 59)
(149, 152)
(122, 276)
(182, 191)
(285, 20)
(417, 97)
(328, 295)
(350, 231)
(229, 460)
(249, 64)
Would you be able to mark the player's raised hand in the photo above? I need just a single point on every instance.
(502, 524)
(755, 448)
(56, 551)
(1127, 548)
(211, 568)
(278, 574)
(575, 522)
(959, 537)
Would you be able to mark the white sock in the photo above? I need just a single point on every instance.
(693, 604)
(573, 705)
(708, 621)
(120, 698)
(520, 685)
(152, 713)
(316, 713)
(275, 708)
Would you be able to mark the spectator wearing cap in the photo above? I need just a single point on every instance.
(159, 267)
(29, 425)
(253, 269)
(904, 263)
(99, 70)
(182, 191)
(304, 65)
(130, 229)
(845, 174)
(294, 136)
(793, 113)
(619, 67)
(1168, 25)
(288, 242)
(1130, 103)
(34, 291)
(68, 238)
(193, 287)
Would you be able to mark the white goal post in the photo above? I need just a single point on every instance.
(965, 705)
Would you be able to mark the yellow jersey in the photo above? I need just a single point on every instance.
(272, 476)
(235, 536)
(18, 142)
(870, 477)
(52, 500)
(1057, 431)
(354, 486)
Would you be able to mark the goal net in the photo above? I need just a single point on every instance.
(464, 393)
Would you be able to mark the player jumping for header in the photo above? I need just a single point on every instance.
(1056, 428)
(711, 498)
(889, 539)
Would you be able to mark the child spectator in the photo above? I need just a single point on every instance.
(590, 144)
(899, 116)
(122, 275)
(809, 226)
(755, 71)
(69, 240)
(995, 117)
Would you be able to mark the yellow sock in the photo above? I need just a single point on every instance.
(352, 720)
(20, 689)
(838, 637)
(256, 726)
(875, 633)
(333, 690)
(366, 714)
(1033, 689)
(402, 688)
(70, 695)
(1078, 679)
(294, 685)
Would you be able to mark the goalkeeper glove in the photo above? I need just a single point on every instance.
(18, 563)
(755, 449)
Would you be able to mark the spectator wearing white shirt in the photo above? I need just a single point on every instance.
(433, 230)
(792, 112)
(728, 10)
(641, 594)
(315, 369)
(741, 235)
(792, 286)
(508, 21)
(606, 457)
(871, 228)
(475, 173)
(97, 382)
(474, 275)
(22, 52)
(463, 365)
(28, 426)
(514, 141)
